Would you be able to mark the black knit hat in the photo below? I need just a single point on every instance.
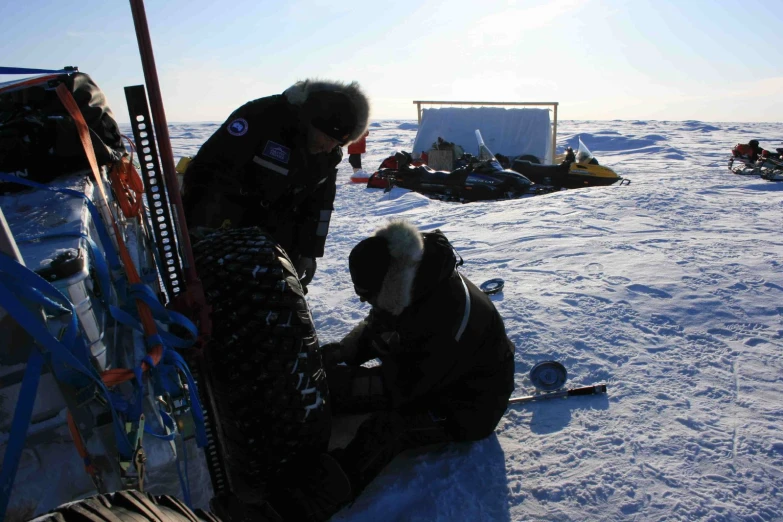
(332, 113)
(369, 261)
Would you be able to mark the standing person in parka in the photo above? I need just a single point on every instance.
(272, 164)
(355, 151)
(447, 366)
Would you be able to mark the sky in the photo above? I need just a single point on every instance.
(669, 290)
(708, 60)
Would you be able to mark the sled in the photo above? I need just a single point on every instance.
(745, 161)
(117, 356)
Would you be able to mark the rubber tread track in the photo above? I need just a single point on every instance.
(266, 373)
(126, 506)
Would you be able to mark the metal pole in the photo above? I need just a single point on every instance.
(161, 129)
(7, 243)
(554, 136)
(8, 247)
(193, 298)
(594, 389)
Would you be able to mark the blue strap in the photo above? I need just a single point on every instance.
(22, 417)
(27, 284)
(25, 70)
(60, 351)
(172, 357)
(184, 483)
(168, 423)
(169, 357)
(129, 317)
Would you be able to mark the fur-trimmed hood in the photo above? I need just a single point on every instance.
(298, 94)
(406, 248)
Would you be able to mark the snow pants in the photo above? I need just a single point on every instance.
(355, 160)
(385, 433)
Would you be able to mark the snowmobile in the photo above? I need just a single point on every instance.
(124, 348)
(477, 179)
(751, 160)
(577, 170)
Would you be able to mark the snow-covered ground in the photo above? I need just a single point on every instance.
(669, 290)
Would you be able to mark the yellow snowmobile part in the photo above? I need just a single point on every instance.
(596, 171)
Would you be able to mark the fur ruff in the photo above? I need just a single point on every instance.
(406, 248)
(298, 93)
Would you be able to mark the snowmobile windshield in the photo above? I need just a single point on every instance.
(485, 155)
(583, 155)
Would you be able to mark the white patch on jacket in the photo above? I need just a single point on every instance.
(406, 248)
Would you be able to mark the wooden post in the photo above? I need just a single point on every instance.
(554, 136)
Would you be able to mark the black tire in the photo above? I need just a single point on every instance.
(529, 157)
(126, 506)
(265, 370)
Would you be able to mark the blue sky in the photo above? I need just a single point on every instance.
(716, 60)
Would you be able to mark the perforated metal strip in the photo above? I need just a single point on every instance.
(158, 206)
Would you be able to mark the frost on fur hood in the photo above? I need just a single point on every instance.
(298, 93)
(406, 248)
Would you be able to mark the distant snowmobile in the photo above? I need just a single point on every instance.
(751, 159)
(480, 179)
(576, 171)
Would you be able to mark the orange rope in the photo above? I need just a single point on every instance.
(128, 187)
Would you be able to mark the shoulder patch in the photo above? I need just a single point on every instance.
(277, 152)
(238, 127)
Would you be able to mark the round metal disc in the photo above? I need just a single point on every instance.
(493, 286)
(548, 375)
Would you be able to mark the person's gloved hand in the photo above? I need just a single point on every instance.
(305, 268)
(332, 353)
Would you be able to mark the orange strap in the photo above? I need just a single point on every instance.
(120, 375)
(79, 443)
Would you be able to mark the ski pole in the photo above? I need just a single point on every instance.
(594, 389)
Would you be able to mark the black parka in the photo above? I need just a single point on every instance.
(439, 354)
(255, 171)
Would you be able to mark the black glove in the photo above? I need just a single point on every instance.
(305, 268)
(330, 353)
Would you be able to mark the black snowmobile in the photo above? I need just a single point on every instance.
(477, 179)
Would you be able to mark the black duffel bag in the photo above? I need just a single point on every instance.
(39, 140)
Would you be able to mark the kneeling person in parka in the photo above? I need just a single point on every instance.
(447, 366)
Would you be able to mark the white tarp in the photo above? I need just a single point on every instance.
(511, 132)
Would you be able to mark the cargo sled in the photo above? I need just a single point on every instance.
(132, 365)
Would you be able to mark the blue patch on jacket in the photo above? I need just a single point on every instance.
(277, 152)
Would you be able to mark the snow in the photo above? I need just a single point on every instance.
(669, 290)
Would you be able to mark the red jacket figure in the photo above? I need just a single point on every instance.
(355, 151)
